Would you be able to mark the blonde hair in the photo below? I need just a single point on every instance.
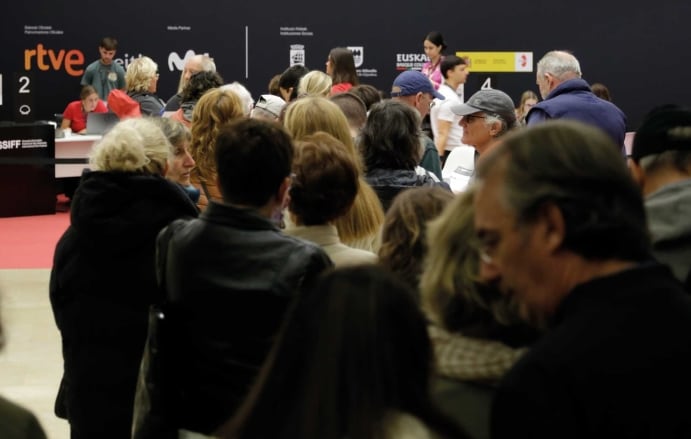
(133, 145)
(451, 270)
(213, 110)
(310, 114)
(315, 83)
(306, 116)
(140, 73)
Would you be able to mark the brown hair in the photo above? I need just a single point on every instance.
(213, 110)
(404, 240)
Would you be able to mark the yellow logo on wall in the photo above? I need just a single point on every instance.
(499, 61)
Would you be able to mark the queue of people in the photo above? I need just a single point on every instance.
(284, 269)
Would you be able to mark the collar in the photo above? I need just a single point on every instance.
(568, 86)
(241, 218)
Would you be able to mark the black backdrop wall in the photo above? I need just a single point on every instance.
(639, 52)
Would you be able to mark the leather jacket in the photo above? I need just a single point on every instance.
(229, 277)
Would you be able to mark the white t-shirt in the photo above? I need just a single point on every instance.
(441, 110)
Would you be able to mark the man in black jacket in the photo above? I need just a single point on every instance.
(230, 275)
(561, 227)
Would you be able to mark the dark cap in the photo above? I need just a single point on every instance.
(666, 128)
(413, 82)
(489, 100)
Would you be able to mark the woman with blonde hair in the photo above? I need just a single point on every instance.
(103, 279)
(142, 81)
(528, 100)
(361, 225)
(475, 330)
(315, 83)
(213, 110)
(324, 186)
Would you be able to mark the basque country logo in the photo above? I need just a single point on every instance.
(358, 55)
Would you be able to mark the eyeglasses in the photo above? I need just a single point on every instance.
(469, 117)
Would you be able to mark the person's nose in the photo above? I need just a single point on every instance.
(189, 161)
(489, 272)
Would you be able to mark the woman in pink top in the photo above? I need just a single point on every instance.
(434, 46)
(74, 116)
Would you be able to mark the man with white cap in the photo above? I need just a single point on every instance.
(415, 89)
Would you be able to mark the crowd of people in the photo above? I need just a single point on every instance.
(300, 267)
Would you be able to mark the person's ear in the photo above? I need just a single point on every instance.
(165, 169)
(495, 129)
(552, 227)
(282, 194)
(637, 172)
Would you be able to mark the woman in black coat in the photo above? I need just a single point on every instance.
(103, 278)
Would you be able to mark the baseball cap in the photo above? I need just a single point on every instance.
(271, 103)
(491, 101)
(666, 128)
(412, 82)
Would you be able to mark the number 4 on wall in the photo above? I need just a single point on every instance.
(487, 84)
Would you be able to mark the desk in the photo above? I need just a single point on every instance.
(76, 146)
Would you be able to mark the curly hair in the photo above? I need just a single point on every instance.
(199, 84)
(404, 240)
(214, 109)
(140, 73)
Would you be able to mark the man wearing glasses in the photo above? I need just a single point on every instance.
(562, 230)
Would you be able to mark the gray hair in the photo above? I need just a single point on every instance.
(207, 63)
(260, 113)
(244, 95)
(673, 159)
(133, 145)
(576, 168)
(491, 118)
(560, 64)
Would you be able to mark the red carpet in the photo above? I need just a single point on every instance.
(29, 241)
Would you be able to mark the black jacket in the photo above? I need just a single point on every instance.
(615, 364)
(102, 283)
(229, 277)
(388, 183)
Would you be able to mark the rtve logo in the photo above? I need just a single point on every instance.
(48, 59)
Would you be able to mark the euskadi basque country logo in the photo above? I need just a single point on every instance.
(408, 61)
(358, 55)
(297, 54)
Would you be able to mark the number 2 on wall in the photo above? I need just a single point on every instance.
(24, 84)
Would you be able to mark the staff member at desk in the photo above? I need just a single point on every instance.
(74, 116)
